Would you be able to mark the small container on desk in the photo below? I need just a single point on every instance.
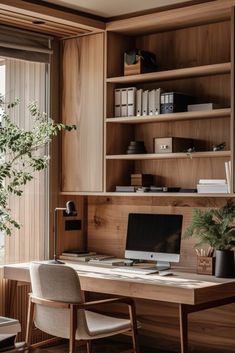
(206, 265)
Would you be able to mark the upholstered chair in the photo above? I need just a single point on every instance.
(57, 307)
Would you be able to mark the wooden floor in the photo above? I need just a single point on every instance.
(109, 346)
(98, 346)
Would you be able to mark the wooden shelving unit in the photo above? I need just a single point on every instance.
(187, 65)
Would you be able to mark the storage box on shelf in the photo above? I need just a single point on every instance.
(187, 65)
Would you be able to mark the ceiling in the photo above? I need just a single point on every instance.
(112, 8)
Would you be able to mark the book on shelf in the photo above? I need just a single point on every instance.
(84, 258)
(125, 188)
(212, 181)
(201, 107)
(125, 101)
(212, 187)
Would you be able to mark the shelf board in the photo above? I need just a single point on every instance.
(216, 113)
(167, 194)
(153, 156)
(205, 70)
(146, 194)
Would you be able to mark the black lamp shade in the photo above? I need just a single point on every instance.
(70, 208)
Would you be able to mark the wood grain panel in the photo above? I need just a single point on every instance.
(189, 47)
(107, 221)
(177, 18)
(72, 239)
(82, 105)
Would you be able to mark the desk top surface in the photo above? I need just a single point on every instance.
(185, 288)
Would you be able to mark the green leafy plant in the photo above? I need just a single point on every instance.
(214, 227)
(21, 154)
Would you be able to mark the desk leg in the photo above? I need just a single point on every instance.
(183, 316)
(10, 301)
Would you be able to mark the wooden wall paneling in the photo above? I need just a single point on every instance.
(215, 89)
(72, 239)
(82, 105)
(183, 173)
(188, 47)
(118, 173)
(205, 133)
(55, 146)
(176, 18)
(232, 97)
(118, 138)
(107, 220)
(117, 44)
(107, 226)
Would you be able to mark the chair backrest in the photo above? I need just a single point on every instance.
(55, 282)
(61, 283)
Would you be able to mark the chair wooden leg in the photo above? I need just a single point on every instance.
(30, 318)
(73, 328)
(134, 334)
(88, 347)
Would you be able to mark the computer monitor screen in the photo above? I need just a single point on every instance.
(154, 237)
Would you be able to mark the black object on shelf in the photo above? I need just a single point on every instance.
(173, 102)
(136, 147)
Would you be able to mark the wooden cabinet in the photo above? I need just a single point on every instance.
(82, 105)
(193, 58)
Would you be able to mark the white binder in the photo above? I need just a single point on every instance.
(131, 101)
(123, 102)
(157, 102)
(152, 94)
(145, 102)
(117, 102)
(139, 102)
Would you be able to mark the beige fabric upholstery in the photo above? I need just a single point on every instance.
(61, 283)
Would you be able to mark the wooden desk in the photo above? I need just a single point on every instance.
(191, 292)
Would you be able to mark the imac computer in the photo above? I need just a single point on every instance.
(154, 237)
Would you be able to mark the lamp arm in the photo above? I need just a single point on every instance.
(55, 230)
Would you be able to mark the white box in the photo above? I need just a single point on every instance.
(200, 107)
(8, 331)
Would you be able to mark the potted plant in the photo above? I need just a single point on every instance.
(215, 227)
(21, 154)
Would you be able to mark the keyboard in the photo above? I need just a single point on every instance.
(135, 270)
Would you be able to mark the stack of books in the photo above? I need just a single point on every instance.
(207, 186)
(74, 255)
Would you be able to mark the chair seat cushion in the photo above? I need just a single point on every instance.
(102, 325)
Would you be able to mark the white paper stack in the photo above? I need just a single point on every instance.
(228, 174)
(207, 186)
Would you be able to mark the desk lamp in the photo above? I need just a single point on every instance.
(69, 210)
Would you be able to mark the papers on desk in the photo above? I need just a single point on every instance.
(95, 258)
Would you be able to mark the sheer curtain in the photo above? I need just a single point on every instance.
(28, 81)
